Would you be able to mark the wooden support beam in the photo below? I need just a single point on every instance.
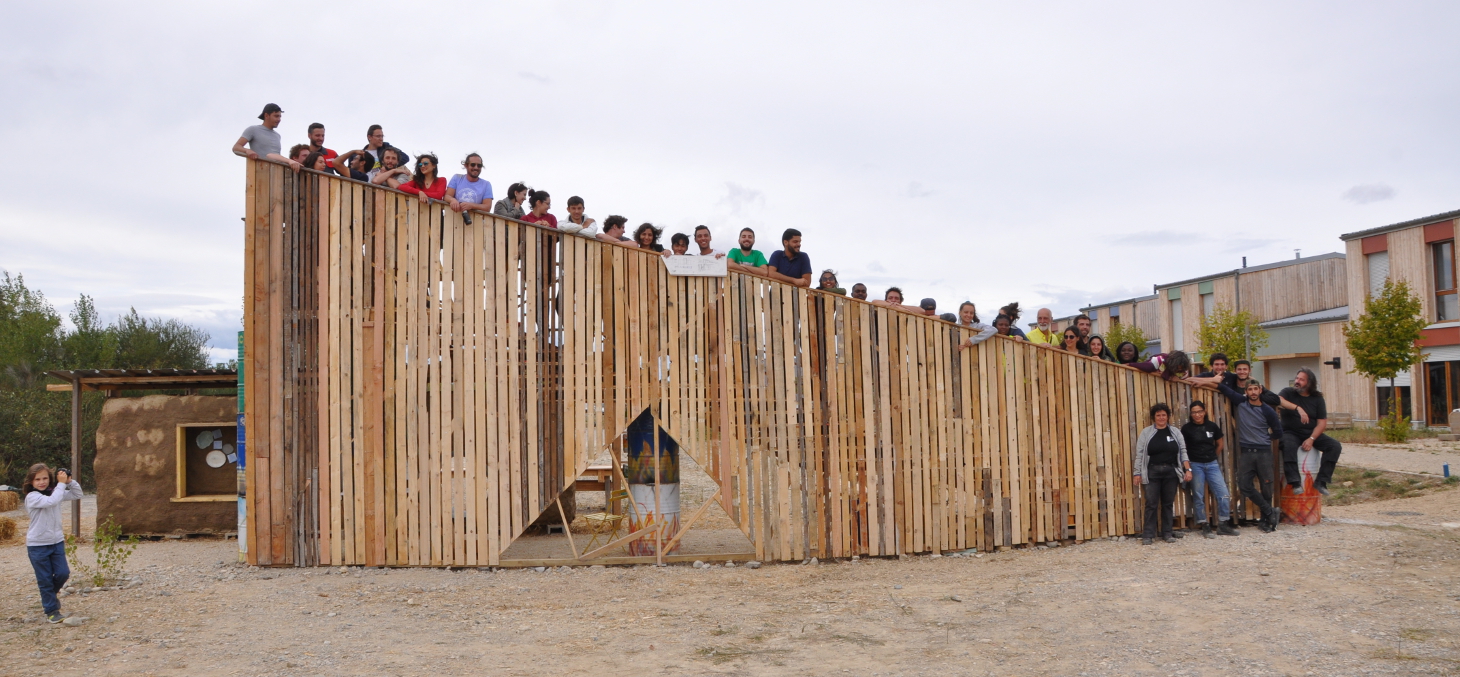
(684, 528)
(652, 527)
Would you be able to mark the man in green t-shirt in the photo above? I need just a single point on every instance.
(745, 259)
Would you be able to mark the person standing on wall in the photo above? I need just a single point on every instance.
(1204, 446)
(1257, 428)
(1305, 417)
(968, 317)
(1044, 334)
(469, 192)
(263, 140)
(1161, 466)
(789, 264)
(746, 258)
(45, 542)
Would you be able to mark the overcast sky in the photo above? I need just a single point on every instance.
(1052, 153)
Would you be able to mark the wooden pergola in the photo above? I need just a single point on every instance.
(110, 381)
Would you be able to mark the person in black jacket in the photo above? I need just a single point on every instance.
(1305, 417)
(1257, 428)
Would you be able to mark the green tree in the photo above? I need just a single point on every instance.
(1234, 334)
(30, 329)
(1384, 341)
(35, 425)
(1121, 333)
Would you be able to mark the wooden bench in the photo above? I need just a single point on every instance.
(598, 477)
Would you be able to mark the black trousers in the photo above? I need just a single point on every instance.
(1329, 447)
(1160, 498)
(1255, 463)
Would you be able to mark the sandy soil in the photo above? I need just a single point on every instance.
(1374, 590)
(1421, 456)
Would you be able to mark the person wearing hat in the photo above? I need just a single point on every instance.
(262, 140)
(929, 306)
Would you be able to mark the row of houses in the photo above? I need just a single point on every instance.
(1303, 304)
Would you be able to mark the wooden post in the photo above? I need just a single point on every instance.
(76, 452)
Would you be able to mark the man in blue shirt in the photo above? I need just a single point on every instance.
(790, 265)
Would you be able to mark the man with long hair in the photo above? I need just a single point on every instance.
(1305, 417)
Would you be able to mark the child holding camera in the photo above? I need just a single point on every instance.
(45, 542)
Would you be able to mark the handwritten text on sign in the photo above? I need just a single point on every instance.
(695, 266)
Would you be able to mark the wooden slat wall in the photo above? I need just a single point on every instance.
(427, 387)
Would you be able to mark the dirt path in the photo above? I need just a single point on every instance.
(1423, 456)
(1341, 598)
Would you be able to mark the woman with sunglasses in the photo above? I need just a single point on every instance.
(828, 282)
(426, 183)
(1071, 341)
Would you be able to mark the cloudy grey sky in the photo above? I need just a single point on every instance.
(1052, 153)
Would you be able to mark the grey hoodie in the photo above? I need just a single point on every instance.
(45, 514)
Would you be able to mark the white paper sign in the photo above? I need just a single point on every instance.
(696, 266)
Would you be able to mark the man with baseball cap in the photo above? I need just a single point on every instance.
(262, 140)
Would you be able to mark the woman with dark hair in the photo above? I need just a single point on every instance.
(828, 282)
(540, 202)
(316, 161)
(426, 183)
(1004, 326)
(1127, 353)
(45, 542)
(1012, 311)
(1095, 345)
(968, 317)
(1171, 366)
(1070, 341)
(647, 237)
(1160, 451)
(512, 206)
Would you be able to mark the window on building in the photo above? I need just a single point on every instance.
(1447, 304)
(1443, 381)
(1208, 304)
(1383, 396)
(1378, 264)
(1177, 342)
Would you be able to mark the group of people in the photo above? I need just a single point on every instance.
(383, 164)
(1165, 459)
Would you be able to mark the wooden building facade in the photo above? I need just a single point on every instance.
(1421, 252)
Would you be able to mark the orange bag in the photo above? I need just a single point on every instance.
(1306, 509)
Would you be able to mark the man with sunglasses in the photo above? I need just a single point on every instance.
(354, 164)
(469, 192)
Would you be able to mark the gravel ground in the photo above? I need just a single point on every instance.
(1422, 455)
(1374, 590)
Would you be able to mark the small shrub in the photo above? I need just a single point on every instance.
(1394, 428)
(111, 552)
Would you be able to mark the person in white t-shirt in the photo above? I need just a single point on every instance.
(702, 238)
(469, 192)
(576, 222)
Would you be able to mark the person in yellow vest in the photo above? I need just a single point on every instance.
(1044, 334)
